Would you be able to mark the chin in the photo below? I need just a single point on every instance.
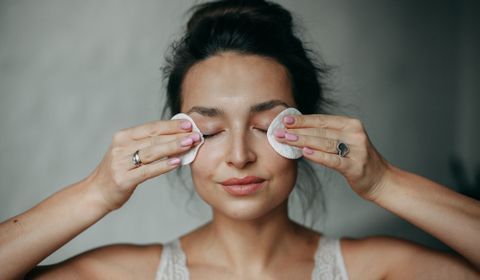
(244, 210)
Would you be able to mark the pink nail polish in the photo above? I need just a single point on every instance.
(195, 137)
(289, 120)
(174, 161)
(186, 142)
(279, 133)
(307, 150)
(291, 137)
(186, 125)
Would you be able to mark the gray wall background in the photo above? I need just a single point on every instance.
(74, 72)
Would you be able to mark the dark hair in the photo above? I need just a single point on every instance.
(252, 27)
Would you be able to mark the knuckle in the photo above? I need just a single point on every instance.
(331, 144)
(119, 136)
(144, 173)
(156, 128)
(356, 124)
(321, 132)
(174, 124)
(337, 161)
(151, 141)
(161, 167)
(362, 139)
(160, 151)
(117, 151)
(145, 155)
(320, 157)
(175, 145)
(299, 121)
(304, 140)
(320, 122)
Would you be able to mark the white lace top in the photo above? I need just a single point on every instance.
(329, 262)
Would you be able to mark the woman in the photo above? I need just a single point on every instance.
(238, 66)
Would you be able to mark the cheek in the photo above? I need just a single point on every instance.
(206, 156)
(284, 172)
(208, 159)
(271, 158)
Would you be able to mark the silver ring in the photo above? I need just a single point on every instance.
(342, 149)
(136, 159)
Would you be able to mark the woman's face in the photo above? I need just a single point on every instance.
(233, 98)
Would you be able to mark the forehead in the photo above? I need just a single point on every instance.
(231, 78)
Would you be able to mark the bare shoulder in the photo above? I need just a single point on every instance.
(119, 261)
(381, 257)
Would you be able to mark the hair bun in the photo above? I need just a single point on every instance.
(254, 11)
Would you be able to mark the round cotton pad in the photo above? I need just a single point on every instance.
(283, 149)
(190, 155)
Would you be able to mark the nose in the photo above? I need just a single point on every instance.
(241, 151)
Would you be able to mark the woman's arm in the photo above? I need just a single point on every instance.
(28, 238)
(449, 216)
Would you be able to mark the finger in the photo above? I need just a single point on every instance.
(327, 145)
(159, 140)
(144, 172)
(156, 128)
(326, 159)
(318, 121)
(318, 132)
(175, 147)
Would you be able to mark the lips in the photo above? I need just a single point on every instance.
(243, 181)
(244, 186)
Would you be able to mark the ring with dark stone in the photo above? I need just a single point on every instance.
(342, 149)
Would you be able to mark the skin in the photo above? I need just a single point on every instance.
(251, 235)
(247, 234)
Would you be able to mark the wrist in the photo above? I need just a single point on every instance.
(384, 185)
(94, 196)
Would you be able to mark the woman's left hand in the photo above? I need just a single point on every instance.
(318, 136)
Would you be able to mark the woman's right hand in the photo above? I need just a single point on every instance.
(30, 237)
(116, 177)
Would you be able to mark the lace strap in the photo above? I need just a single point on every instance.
(340, 261)
(328, 260)
(172, 263)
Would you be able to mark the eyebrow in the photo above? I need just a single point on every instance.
(257, 108)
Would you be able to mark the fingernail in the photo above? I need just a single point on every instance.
(288, 120)
(307, 150)
(279, 133)
(174, 161)
(195, 137)
(186, 125)
(186, 142)
(291, 137)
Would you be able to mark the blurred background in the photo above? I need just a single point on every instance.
(72, 73)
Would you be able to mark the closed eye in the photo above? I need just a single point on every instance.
(261, 129)
(211, 135)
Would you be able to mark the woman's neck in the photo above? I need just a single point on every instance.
(254, 243)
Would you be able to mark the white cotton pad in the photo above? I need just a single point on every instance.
(284, 150)
(189, 156)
